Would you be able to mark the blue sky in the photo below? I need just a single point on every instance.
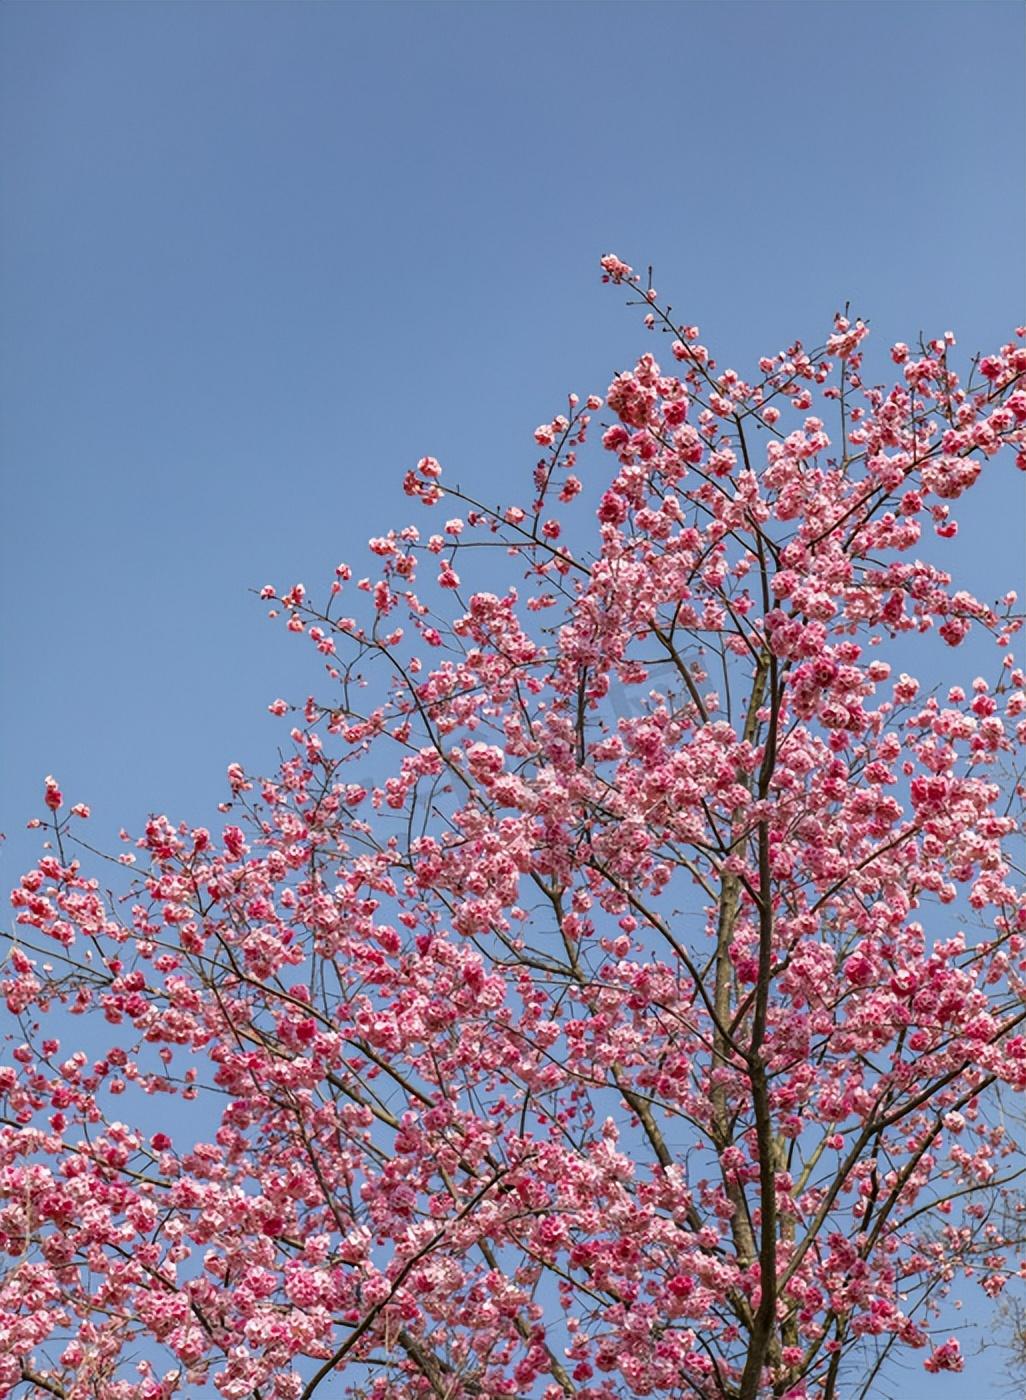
(256, 259)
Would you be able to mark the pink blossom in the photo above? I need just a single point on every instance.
(583, 987)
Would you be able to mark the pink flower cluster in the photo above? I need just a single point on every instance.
(607, 994)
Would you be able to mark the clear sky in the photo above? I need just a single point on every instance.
(259, 258)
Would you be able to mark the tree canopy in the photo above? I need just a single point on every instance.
(613, 990)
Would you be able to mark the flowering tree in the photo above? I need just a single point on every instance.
(640, 1030)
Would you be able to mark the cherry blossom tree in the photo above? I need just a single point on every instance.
(638, 1026)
